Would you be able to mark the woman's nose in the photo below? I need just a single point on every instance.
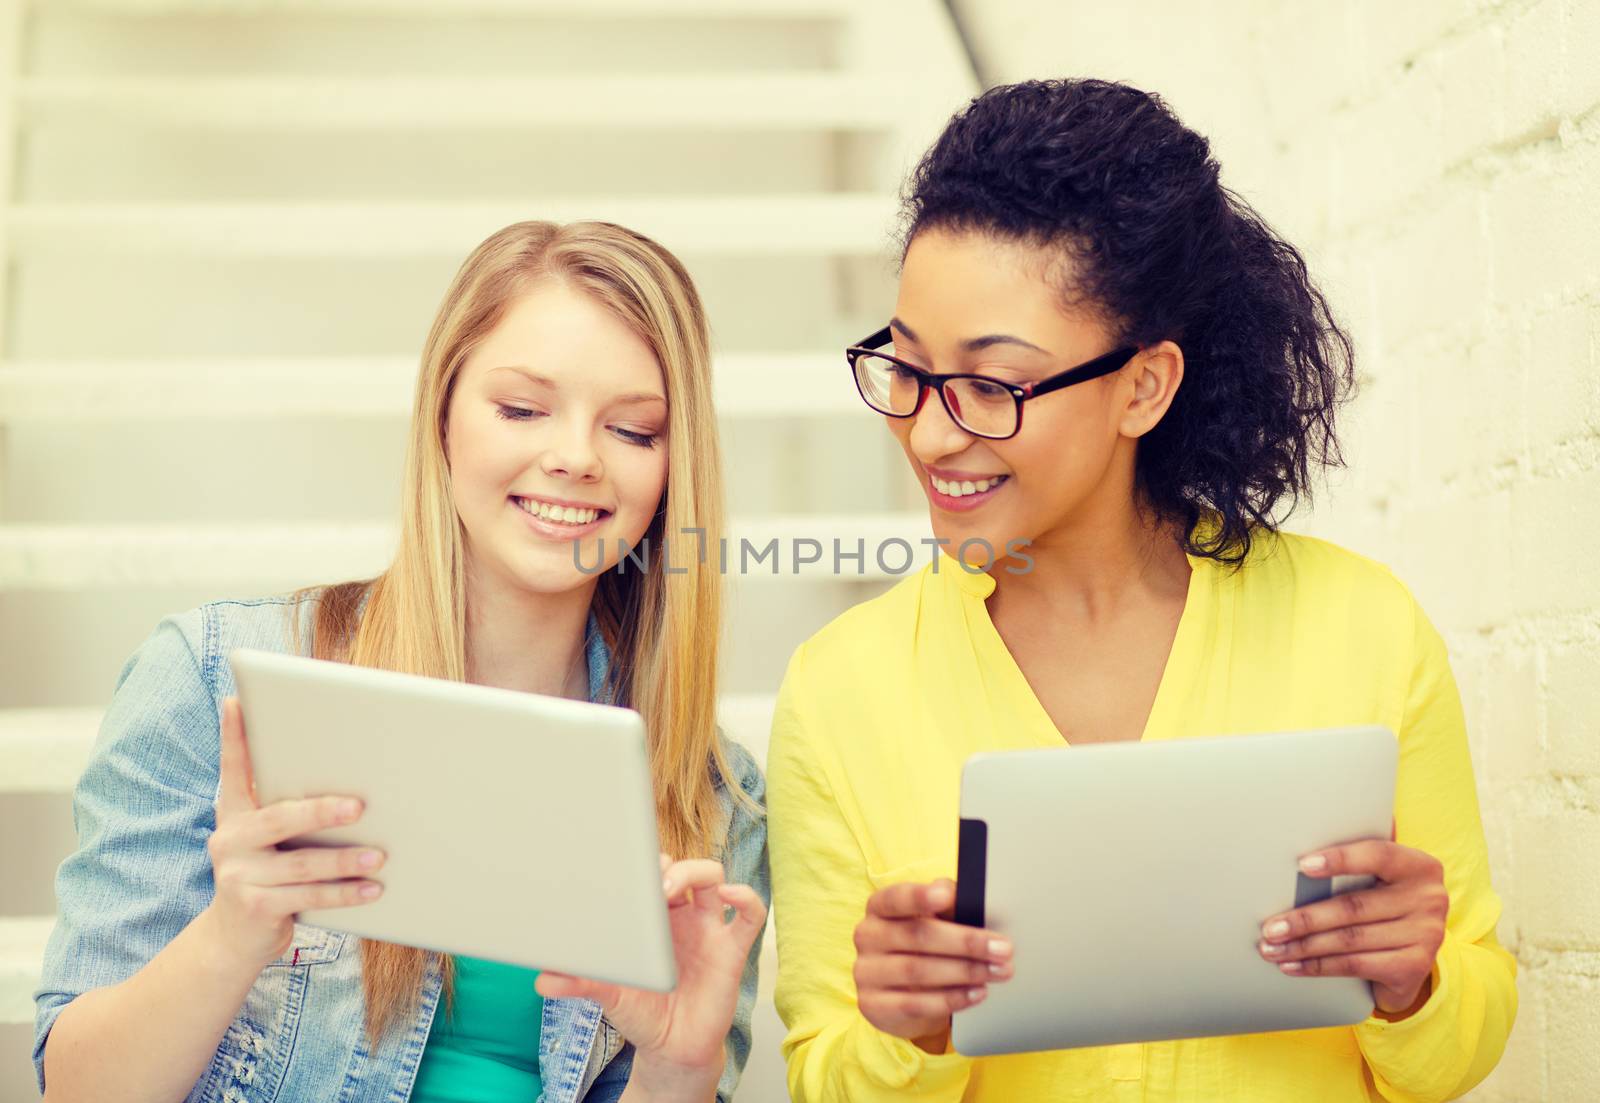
(572, 454)
(934, 434)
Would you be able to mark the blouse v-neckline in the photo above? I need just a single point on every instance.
(1181, 671)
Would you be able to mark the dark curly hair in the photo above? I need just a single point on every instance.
(1107, 174)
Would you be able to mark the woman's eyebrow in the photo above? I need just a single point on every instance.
(526, 372)
(975, 344)
(546, 381)
(978, 344)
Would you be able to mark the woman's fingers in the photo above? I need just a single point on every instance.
(1387, 861)
(909, 900)
(311, 864)
(235, 789)
(331, 894)
(688, 875)
(699, 882)
(694, 882)
(887, 1005)
(920, 973)
(278, 902)
(562, 986)
(1395, 968)
(914, 967)
(749, 913)
(1345, 910)
(1389, 935)
(935, 937)
(290, 819)
(1365, 937)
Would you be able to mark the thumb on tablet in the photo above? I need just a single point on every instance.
(236, 779)
(912, 900)
(561, 986)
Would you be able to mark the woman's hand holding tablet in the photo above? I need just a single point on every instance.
(914, 965)
(259, 888)
(1389, 934)
(670, 1030)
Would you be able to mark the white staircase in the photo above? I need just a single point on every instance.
(224, 228)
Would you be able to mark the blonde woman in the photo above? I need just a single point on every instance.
(563, 408)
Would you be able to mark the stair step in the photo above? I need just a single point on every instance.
(843, 224)
(22, 941)
(787, 101)
(449, 9)
(44, 750)
(751, 385)
(280, 556)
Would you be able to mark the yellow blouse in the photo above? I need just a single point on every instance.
(880, 709)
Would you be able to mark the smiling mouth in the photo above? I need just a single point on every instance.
(962, 488)
(558, 514)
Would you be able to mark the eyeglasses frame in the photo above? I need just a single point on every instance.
(1115, 360)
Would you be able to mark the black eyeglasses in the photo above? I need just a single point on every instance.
(984, 407)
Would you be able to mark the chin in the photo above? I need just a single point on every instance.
(548, 571)
(956, 535)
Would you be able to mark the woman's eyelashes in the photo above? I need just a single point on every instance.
(643, 440)
(515, 413)
(522, 413)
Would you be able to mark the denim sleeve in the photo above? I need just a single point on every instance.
(745, 862)
(143, 811)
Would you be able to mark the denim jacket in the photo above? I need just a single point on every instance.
(144, 809)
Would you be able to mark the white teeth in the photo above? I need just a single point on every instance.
(567, 515)
(965, 487)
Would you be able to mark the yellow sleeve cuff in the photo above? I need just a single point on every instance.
(1409, 1057)
(901, 1065)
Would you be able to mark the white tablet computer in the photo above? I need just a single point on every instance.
(1133, 879)
(518, 828)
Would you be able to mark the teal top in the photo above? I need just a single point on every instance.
(484, 1046)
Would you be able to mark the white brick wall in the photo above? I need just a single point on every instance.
(1439, 161)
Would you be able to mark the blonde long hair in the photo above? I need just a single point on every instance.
(663, 638)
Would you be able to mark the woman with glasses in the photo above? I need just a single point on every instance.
(1104, 363)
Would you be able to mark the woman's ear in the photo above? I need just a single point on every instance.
(1157, 375)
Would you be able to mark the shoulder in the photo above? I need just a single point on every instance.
(276, 623)
(192, 647)
(160, 726)
(866, 633)
(1311, 572)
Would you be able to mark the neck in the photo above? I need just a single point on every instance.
(519, 639)
(1093, 565)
